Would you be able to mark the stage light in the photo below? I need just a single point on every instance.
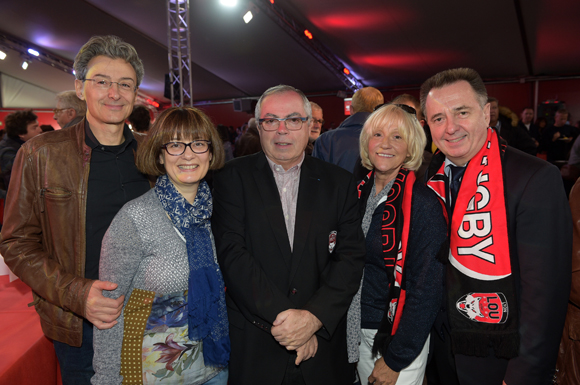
(24, 65)
(229, 3)
(33, 52)
(308, 34)
(346, 71)
(2, 55)
(272, 1)
(248, 17)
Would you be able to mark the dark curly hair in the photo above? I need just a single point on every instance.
(17, 123)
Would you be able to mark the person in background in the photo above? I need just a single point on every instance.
(140, 119)
(316, 128)
(559, 137)
(510, 236)
(249, 141)
(392, 314)
(225, 138)
(159, 251)
(74, 181)
(569, 353)
(69, 110)
(20, 126)
(340, 146)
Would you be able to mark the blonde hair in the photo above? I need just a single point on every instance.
(409, 128)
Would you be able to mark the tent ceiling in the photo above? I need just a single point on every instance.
(384, 43)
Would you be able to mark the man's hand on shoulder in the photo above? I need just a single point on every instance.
(292, 328)
(100, 310)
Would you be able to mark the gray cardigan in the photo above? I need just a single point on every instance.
(143, 250)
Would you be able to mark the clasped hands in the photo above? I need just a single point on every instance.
(294, 329)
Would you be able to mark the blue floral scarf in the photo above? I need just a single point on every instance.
(207, 315)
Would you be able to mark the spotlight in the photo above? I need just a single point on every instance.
(248, 16)
(308, 34)
(24, 65)
(2, 55)
(346, 71)
(229, 3)
(33, 52)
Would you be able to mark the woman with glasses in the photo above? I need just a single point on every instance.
(160, 252)
(390, 317)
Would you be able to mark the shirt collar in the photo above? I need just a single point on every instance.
(92, 141)
(276, 168)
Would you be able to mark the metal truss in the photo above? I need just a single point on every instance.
(179, 52)
(313, 46)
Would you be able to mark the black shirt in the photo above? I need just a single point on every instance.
(113, 181)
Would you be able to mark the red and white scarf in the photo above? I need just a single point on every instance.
(395, 228)
(481, 297)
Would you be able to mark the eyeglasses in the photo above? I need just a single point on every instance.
(293, 123)
(404, 107)
(105, 84)
(178, 148)
(59, 110)
(319, 121)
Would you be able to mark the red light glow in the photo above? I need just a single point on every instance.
(308, 34)
(346, 71)
(272, 1)
(153, 103)
(406, 60)
(364, 20)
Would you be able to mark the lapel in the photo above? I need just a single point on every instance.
(272, 205)
(308, 190)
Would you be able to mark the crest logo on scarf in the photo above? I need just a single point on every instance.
(484, 307)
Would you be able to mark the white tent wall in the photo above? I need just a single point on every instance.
(19, 94)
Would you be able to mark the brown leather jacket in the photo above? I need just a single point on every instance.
(43, 236)
(569, 355)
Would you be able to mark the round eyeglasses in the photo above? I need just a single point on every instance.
(178, 148)
(293, 123)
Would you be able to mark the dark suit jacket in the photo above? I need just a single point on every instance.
(263, 277)
(540, 237)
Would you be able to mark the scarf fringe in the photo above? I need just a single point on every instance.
(470, 343)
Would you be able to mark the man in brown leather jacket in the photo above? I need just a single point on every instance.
(66, 188)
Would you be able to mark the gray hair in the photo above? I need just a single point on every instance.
(280, 89)
(69, 99)
(109, 46)
(451, 76)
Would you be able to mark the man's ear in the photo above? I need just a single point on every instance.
(79, 89)
(486, 113)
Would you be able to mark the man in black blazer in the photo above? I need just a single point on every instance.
(291, 250)
(539, 235)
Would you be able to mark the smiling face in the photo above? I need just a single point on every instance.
(283, 146)
(458, 123)
(387, 151)
(186, 170)
(107, 107)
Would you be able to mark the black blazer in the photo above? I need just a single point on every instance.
(540, 239)
(264, 277)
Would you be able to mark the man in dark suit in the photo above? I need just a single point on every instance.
(507, 290)
(291, 250)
